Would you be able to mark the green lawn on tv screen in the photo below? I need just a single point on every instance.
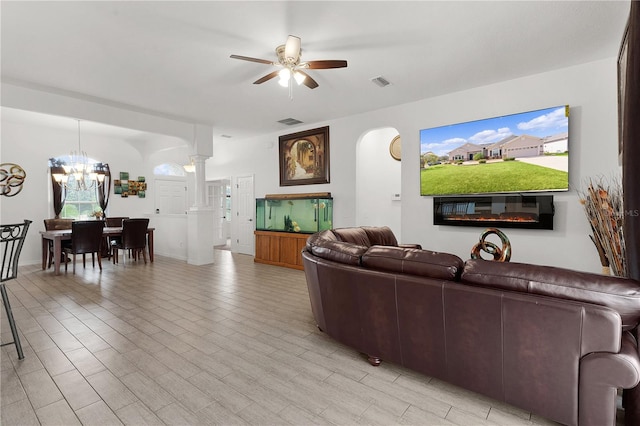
(502, 176)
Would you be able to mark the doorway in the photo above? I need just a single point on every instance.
(219, 198)
(378, 181)
(244, 211)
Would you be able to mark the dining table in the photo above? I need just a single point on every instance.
(60, 235)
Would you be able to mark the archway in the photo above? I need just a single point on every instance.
(378, 181)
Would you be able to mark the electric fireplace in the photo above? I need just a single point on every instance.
(496, 211)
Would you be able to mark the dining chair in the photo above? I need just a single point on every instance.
(134, 238)
(86, 237)
(113, 222)
(54, 224)
(11, 240)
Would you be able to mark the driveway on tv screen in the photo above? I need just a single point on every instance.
(557, 162)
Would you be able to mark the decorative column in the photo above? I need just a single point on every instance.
(199, 185)
(200, 215)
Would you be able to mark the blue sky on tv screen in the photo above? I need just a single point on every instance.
(540, 123)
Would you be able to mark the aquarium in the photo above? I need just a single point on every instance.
(304, 215)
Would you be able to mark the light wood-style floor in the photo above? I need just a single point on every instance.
(230, 343)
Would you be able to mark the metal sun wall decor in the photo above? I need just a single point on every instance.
(125, 187)
(11, 179)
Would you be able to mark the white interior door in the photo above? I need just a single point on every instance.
(244, 211)
(171, 196)
(217, 199)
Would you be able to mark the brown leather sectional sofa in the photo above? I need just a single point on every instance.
(555, 342)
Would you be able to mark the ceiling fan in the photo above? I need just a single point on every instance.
(291, 66)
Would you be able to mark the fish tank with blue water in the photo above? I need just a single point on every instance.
(305, 214)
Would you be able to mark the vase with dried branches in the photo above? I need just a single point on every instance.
(602, 201)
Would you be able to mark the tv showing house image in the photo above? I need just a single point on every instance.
(523, 152)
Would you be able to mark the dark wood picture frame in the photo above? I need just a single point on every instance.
(304, 157)
(622, 76)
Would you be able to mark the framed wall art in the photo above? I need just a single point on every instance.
(125, 187)
(304, 157)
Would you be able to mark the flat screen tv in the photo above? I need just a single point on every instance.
(524, 152)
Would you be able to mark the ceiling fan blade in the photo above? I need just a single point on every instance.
(266, 77)
(325, 64)
(308, 81)
(247, 58)
(292, 48)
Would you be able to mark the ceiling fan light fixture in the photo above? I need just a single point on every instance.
(292, 49)
(299, 77)
(285, 75)
(289, 60)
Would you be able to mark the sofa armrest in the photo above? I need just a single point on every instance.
(339, 251)
(631, 397)
(410, 246)
(601, 374)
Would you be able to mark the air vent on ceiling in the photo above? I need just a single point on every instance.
(289, 121)
(380, 81)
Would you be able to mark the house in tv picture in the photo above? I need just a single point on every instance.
(513, 146)
(557, 144)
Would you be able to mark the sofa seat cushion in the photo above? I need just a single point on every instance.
(353, 235)
(339, 251)
(619, 294)
(413, 261)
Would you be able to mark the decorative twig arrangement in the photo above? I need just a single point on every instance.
(602, 201)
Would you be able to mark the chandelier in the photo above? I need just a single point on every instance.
(85, 175)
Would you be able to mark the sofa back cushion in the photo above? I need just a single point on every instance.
(353, 235)
(413, 261)
(380, 236)
(619, 294)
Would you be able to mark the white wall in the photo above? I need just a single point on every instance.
(170, 235)
(590, 90)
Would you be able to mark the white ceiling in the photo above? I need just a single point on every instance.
(172, 57)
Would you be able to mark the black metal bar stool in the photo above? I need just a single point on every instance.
(11, 240)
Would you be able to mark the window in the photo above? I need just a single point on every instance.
(79, 204)
(169, 169)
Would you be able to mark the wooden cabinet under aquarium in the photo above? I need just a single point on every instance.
(280, 248)
(285, 221)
